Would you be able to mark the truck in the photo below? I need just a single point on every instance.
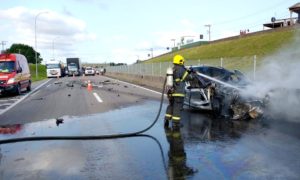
(54, 68)
(73, 67)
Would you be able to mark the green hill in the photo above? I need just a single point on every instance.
(238, 49)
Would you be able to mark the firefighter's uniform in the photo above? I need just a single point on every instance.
(176, 93)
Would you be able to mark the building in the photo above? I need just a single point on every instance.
(278, 23)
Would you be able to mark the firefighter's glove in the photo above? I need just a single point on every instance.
(190, 70)
(170, 92)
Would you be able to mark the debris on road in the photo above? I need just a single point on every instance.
(58, 82)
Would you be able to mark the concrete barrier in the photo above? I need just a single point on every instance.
(151, 82)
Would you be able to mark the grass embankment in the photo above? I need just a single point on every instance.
(259, 44)
(42, 74)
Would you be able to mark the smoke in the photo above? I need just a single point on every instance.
(278, 79)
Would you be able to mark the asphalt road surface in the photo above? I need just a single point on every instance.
(70, 97)
(204, 148)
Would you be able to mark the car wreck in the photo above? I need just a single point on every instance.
(219, 91)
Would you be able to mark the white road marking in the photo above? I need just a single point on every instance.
(48, 85)
(97, 97)
(21, 99)
(5, 104)
(3, 100)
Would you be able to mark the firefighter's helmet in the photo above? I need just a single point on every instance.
(178, 59)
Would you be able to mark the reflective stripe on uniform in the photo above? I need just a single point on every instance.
(176, 135)
(175, 118)
(177, 80)
(168, 115)
(184, 76)
(177, 95)
(178, 159)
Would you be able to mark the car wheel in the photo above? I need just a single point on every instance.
(18, 89)
(29, 86)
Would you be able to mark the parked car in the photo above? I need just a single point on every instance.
(89, 71)
(14, 74)
(206, 94)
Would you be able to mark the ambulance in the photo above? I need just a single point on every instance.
(15, 76)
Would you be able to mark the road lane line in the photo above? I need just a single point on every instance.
(97, 97)
(3, 100)
(24, 97)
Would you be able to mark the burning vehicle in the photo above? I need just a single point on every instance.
(221, 91)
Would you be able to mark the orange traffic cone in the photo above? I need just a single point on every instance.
(89, 86)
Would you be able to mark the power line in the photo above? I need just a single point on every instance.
(251, 15)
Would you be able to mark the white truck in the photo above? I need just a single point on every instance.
(54, 68)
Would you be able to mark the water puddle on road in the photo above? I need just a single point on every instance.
(203, 148)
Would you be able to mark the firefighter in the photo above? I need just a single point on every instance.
(176, 92)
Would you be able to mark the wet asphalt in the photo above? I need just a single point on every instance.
(204, 148)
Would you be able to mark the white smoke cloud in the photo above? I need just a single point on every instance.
(279, 78)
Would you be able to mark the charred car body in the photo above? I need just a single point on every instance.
(222, 99)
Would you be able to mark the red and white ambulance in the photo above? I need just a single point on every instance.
(14, 74)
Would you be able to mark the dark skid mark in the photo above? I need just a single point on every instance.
(19, 159)
(41, 98)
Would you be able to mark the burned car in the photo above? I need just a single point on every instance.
(220, 91)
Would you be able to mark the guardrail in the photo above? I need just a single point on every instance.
(247, 65)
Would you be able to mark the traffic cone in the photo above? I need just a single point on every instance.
(89, 86)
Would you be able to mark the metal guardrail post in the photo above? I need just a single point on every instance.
(221, 62)
(254, 67)
(160, 69)
(152, 73)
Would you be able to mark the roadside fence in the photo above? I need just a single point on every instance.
(247, 65)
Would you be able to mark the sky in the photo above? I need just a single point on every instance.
(122, 31)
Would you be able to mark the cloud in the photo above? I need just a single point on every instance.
(50, 25)
(98, 3)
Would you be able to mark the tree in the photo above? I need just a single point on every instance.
(27, 51)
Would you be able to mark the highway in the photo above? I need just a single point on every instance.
(69, 97)
(204, 148)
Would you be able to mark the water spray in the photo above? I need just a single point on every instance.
(218, 81)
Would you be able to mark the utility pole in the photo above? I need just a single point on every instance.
(209, 26)
(151, 49)
(35, 39)
(3, 44)
(173, 41)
